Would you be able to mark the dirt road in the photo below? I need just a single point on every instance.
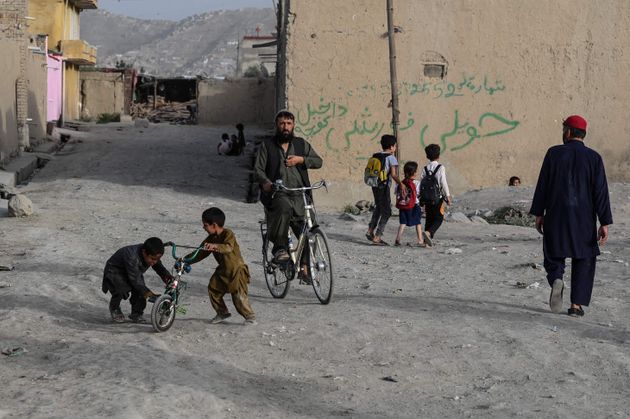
(440, 332)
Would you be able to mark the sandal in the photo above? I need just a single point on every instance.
(369, 236)
(576, 312)
(380, 243)
(397, 243)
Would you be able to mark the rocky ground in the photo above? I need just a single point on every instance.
(460, 330)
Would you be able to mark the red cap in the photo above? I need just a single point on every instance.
(575, 121)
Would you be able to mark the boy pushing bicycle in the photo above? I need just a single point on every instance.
(232, 274)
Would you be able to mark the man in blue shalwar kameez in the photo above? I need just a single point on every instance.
(571, 195)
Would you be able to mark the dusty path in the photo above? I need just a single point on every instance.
(410, 332)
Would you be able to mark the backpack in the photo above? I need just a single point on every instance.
(409, 201)
(375, 174)
(430, 190)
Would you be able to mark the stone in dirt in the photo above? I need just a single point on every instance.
(459, 217)
(20, 206)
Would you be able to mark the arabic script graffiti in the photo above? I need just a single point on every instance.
(461, 136)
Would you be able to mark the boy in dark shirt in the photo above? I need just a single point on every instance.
(123, 274)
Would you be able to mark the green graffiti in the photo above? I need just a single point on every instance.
(469, 133)
(363, 126)
(467, 85)
(317, 118)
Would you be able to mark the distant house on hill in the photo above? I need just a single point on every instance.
(257, 52)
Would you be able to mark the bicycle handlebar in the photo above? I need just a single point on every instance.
(174, 251)
(278, 185)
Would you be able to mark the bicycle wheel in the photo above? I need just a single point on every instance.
(277, 283)
(321, 266)
(163, 313)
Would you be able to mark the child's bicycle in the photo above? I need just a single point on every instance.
(313, 240)
(168, 304)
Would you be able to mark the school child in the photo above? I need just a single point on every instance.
(231, 275)
(381, 191)
(123, 274)
(409, 212)
(225, 146)
(434, 193)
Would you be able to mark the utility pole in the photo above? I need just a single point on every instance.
(392, 71)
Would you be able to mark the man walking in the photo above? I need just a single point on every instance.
(571, 195)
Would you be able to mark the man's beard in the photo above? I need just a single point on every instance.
(285, 137)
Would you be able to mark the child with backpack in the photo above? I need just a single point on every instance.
(434, 193)
(381, 169)
(409, 212)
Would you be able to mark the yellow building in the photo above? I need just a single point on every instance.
(59, 19)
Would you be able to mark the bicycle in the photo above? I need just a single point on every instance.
(167, 305)
(319, 263)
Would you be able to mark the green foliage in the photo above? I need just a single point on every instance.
(104, 118)
(252, 71)
(123, 65)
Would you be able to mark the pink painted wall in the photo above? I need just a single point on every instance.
(55, 86)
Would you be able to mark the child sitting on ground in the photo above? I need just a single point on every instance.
(409, 212)
(434, 193)
(232, 274)
(123, 274)
(224, 147)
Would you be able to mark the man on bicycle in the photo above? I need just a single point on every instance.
(285, 157)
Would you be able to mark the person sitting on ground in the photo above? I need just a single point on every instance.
(409, 212)
(434, 193)
(381, 193)
(224, 147)
(231, 275)
(284, 157)
(514, 181)
(123, 274)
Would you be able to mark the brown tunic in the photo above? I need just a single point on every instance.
(232, 270)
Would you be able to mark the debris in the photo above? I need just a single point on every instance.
(17, 351)
(477, 219)
(521, 285)
(534, 285)
(6, 268)
(459, 217)
(512, 216)
(390, 379)
(453, 251)
(20, 206)
(5, 285)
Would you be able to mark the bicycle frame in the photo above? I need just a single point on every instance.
(309, 207)
(177, 285)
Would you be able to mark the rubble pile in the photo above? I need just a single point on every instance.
(173, 112)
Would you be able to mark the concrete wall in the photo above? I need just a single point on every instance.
(101, 93)
(226, 102)
(513, 71)
(9, 68)
(37, 75)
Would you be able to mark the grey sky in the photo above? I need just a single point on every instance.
(175, 9)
